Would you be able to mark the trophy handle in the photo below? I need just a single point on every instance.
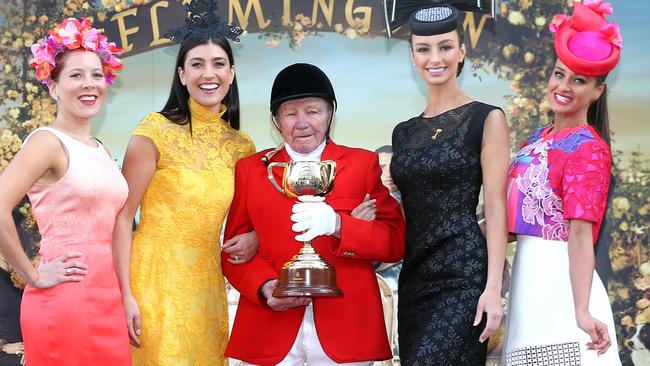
(269, 169)
(328, 172)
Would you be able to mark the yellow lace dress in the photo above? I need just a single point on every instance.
(175, 267)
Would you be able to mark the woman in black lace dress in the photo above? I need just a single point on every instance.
(450, 284)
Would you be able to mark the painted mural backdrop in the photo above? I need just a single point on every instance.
(510, 60)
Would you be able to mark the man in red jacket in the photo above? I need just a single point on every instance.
(321, 330)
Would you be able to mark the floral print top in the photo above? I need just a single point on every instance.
(556, 177)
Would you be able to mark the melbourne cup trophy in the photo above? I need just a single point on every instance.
(306, 274)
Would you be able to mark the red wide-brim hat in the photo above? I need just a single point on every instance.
(585, 42)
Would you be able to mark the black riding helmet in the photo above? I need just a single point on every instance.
(301, 81)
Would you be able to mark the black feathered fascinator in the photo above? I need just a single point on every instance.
(204, 22)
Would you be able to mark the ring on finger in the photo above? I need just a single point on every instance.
(68, 270)
(236, 258)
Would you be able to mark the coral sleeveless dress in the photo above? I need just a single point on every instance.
(78, 323)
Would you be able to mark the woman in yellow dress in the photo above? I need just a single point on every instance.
(179, 166)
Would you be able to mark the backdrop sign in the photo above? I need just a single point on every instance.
(141, 28)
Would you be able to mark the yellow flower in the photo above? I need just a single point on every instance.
(621, 203)
(525, 4)
(18, 43)
(14, 113)
(642, 303)
(643, 317)
(645, 268)
(338, 27)
(351, 33)
(43, 19)
(272, 42)
(529, 57)
(540, 21)
(623, 226)
(510, 50)
(627, 321)
(8, 68)
(642, 283)
(516, 18)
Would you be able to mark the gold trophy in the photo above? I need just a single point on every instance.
(306, 274)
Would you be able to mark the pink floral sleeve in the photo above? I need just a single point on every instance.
(585, 182)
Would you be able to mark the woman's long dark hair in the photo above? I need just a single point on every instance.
(177, 108)
(597, 115)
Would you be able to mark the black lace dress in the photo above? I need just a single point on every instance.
(436, 165)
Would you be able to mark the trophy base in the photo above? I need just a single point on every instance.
(312, 282)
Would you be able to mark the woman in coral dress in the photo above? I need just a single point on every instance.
(180, 169)
(71, 310)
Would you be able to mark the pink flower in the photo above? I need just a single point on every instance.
(68, 33)
(72, 34)
(599, 6)
(42, 53)
(556, 22)
(90, 39)
(613, 33)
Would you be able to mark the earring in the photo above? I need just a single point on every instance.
(55, 97)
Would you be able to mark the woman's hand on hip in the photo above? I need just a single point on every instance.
(60, 269)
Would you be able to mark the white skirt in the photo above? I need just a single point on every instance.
(541, 326)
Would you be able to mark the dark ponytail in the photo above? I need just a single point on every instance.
(597, 115)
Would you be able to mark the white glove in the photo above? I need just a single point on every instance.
(313, 216)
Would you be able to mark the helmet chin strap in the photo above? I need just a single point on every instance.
(329, 125)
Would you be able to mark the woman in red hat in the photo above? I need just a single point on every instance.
(557, 197)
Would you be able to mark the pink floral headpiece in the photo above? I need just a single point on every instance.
(585, 41)
(72, 34)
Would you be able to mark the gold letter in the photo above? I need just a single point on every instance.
(474, 32)
(327, 11)
(243, 16)
(286, 12)
(366, 10)
(122, 27)
(155, 29)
